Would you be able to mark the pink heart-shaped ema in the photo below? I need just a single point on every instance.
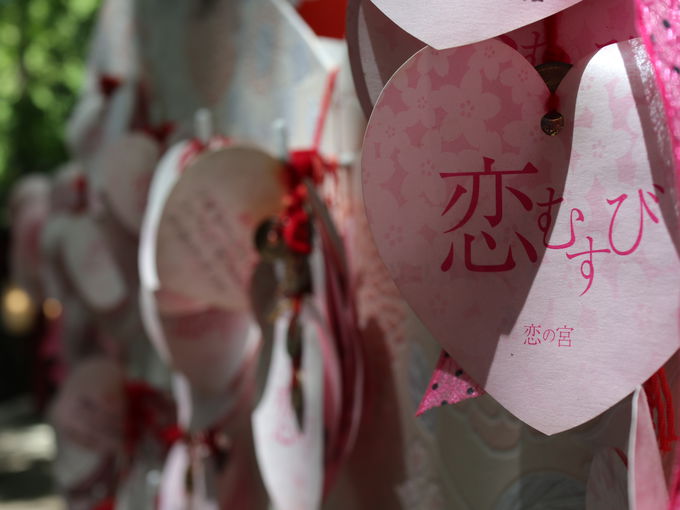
(446, 24)
(542, 264)
(205, 247)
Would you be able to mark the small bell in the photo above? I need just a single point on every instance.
(298, 276)
(552, 123)
(268, 240)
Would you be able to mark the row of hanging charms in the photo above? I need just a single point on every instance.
(553, 123)
(301, 232)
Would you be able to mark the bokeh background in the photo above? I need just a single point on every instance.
(43, 49)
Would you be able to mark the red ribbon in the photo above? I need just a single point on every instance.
(302, 166)
(108, 84)
(146, 413)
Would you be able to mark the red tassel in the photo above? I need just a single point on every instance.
(660, 400)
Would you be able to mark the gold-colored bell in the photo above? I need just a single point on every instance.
(268, 240)
(552, 123)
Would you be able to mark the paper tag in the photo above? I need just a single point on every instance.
(646, 481)
(90, 407)
(445, 24)
(172, 493)
(449, 385)
(262, 51)
(164, 178)
(209, 347)
(290, 459)
(205, 245)
(529, 246)
(91, 266)
(377, 48)
(124, 168)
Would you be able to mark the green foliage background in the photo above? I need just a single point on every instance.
(43, 47)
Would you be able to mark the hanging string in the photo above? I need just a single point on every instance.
(303, 165)
(553, 53)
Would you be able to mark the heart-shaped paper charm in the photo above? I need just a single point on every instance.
(290, 449)
(182, 202)
(445, 24)
(205, 242)
(90, 265)
(277, 53)
(211, 43)
(29, 210)
(125, 169)
(378, 47)
(519, 250)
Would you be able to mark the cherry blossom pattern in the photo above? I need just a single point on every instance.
(487, 60)
(419, 99)
(449, 385)
(467, 110)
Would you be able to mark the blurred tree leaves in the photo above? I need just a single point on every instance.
(43, 46)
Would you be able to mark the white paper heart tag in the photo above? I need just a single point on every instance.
(445, 24)
(205, 242)
(125, 167)
(529, 246)
(172, 493)
(291, 459)
(90, 265)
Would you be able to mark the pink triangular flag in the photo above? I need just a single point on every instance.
(449, 385)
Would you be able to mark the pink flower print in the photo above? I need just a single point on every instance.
(487, 59)
(394, 235)
(420, 101)
(387, 126)
(420, 163)
(433, 62)
(526, 131)
(520, 133)
(518, 79)
(467, 110)
(601, 143)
